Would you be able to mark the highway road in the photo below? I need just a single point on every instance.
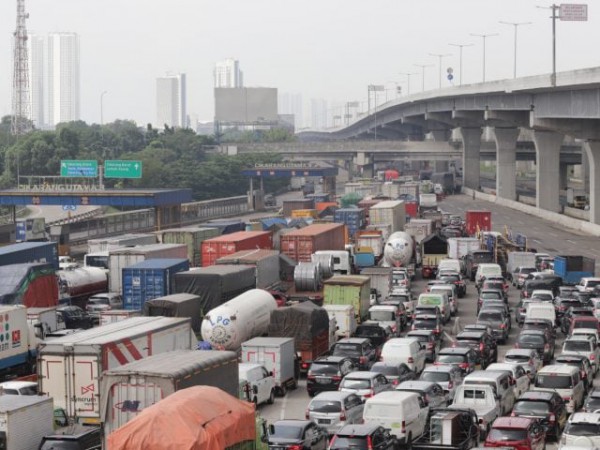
(542, 234)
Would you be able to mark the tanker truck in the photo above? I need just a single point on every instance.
(242, 318)
(399, 251)
(76, 285)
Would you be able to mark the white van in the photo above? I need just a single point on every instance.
(260, 382)
(486, 270)
(542, 310)
(404, 413)
(440, 300)
(500, 381)
(566, 380)
(345, 318)
(450, 291)
(449, 264)
(404, 350)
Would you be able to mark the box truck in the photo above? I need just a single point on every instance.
(24, 421)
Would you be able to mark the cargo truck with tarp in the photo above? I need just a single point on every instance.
(32, 285)
(176, 305)
(30, 252)
(433, 249)
(352, 290)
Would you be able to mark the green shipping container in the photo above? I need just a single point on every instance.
(190, 236)
(349, 290)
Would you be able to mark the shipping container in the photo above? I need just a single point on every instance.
(32, 285)
(117, 315)
(373, 239)
(126, 257)
(519, 259)
(322, 206)
(458, 248)
(384, 229)
(127, 390)
(345, 319)
(381, 280)
(192, 237)
(572, 268)
(304, 214)
(215, 248)
(300, 244)
(302, 203)
(478, 221)
(266, 263)
(227, 226)
(176, 305)
(216, 284)
(410, 189)
(412, 208)
(391, 190)
(277, 355)
(352, 290)
(433, 249)
(125, 240)
(390, 212)
(150, 279)
(353, 218)
(24, 421)
(69, 367)
(419, 229)
(367, 204)
(30, 252)
(17, 352)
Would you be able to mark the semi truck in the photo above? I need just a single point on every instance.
(18, 347)
(24, 421)
(433, 249)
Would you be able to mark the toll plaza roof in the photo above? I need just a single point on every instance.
(280, 170)
(145, 198)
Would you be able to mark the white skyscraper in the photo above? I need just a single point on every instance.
(63, 78)
(37, 72)
(318, 112)
(171, 101)
(228, 74)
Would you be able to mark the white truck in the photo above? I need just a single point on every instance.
(345, 317)
(419, 229)
(69, 367)
(519, 259)
(18, 346)
(481, 399)
(381, 282)
(277, 355)
(427, 202)
(458, 248)
(44, 320)
(24, 421)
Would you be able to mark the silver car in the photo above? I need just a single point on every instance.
(365, 384)
(448, 377)
(334, 409)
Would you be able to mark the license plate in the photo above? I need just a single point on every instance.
(325, 421)
(323, 380)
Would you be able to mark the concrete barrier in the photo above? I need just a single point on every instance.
(527, 200)
(577, 213)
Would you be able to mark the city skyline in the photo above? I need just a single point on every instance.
(63, 79)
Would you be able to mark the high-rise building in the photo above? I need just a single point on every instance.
(63, 78)
(318, 113)
(228, 74)
(171, 101)
(37, 77)
(292, 103)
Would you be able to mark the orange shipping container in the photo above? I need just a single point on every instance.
(217, 247)
(300, 244)
(321, 206)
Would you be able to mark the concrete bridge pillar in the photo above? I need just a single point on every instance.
(547, 153)
(592, 151)
(506, 167)
(563, 176)
(440, 136)
(471, 138)
(585, 171)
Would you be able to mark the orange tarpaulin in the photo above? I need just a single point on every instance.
(197, 418)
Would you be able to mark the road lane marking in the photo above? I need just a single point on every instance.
(283, 406)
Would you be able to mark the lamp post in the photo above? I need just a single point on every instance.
(460, 46)
(349, 105)
(440, 56)
(423, 66)
(516, 26)
(102, 107)
(374, 88)
(484, 37)
(408, 75)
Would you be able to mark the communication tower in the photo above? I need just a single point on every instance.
(21, 101)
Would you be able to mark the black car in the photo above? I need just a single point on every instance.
(296, 434)
(465, 358)
(358, 349)
(326, 373)
(74, 317)
(592, 401)
(377, 334)
(537, 340)
(77, 438)
(427, 322)
(481, 341)
(359, 437)
(458, 281)
(547, 406)
(396, 373)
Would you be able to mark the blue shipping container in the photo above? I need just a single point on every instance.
(30, 252)
(353, 218)
(364, 259)
(150, 279)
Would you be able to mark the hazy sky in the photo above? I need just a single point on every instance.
(329, 49)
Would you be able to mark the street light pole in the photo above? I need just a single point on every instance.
(408, 74)
(516, 26)
(423, 66)
(460, 46)
(102, 107)
(440, 56)
(484, 37)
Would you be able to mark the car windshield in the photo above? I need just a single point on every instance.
(582, 429)
(349, 383)
(354, 443)
(346, 350)
(287, 432)
(325, 406)
(323, 369)
(542, 296)
(436, 377)
(451, 359)
(427, 324)
(382, 316)
(430, 300)
(28, 390)
(506, 434)
(553, 381)
(531, 407)
(518, 358)
(534, 339)
(577, 346)
(585, 324)
(490, 316)
(385, 369)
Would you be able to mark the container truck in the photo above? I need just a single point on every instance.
(478, 221)
(345, 318)
(519, 259)
(445, 179)
(381, 281)
(217, 247)
(308, 324)
(127, 390)
(419, 229)
(240, 319)
(18, 346)
(427, 202)
(29, 284)
(150, 279)
(266, 263)
(300, 244)
(176, 305)
(412, 209)
(572, 268)
(372, 239)
(215, 285)
(125, 257)
(125, 240)
(190, 236)
(474, 258)
(433, 249)
(352, 290)
(353, 218)
(69, 367)
(459, 248)
(78, 284)
(450, 428)
(278, 356)
(400, 251)
(24, 421)
(389, 212)
(30, 252)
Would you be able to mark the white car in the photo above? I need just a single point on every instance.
(522, 380)
(582, 430)
(365, 384)
(587, 284)
(334, 409)
(544, 294)
(19, 388)
(260, 382)
(584, 346)
(526, 358)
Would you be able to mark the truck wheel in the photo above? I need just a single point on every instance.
(271, 397)
(283, 390)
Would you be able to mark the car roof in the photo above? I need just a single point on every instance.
(520, 351)
(512, 422)
(558, 369)
(333, 395)
(362, 374)
(297, 422)
(455, 350)
(578, 338)
(537, 395)
(381, 307)
(442, 368)
(75, 433)
(354, 340)
(585, 417)
(472, 333)
(331, 359)
(416, 384)
(17, 384)
(419, 332)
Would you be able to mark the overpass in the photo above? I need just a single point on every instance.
(569, 110)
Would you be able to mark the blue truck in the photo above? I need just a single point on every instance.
(572, 268)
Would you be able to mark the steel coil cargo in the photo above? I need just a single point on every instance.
(307, 276)
(241, 318)
(326, 262)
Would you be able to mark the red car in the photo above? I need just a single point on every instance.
(521, 433)
(585, 322)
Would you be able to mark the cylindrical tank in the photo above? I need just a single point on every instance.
(241, 318)
(82, 281)
(307, 276)
(326, 263)
(398, 250)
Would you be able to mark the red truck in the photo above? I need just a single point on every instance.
(478, 221)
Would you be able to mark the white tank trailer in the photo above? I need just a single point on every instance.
(238, 320)
(398, 250)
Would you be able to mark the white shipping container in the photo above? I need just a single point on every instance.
(69, 367)
(390, 189)
(374, 241)
(345, 317)
(125, 257)
(419, 229)
(126, 240)
(20, 338)
(24, 421)
(386, 230)
(381, 279)
(428, 201)
(520, 259)
(276, 354)
(116, 315)
(391, 212)
(410, 189)
(459, 247)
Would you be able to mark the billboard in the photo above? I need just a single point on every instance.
(246, 105)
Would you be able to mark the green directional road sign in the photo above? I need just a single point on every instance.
(122, 169)
(73, 168)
